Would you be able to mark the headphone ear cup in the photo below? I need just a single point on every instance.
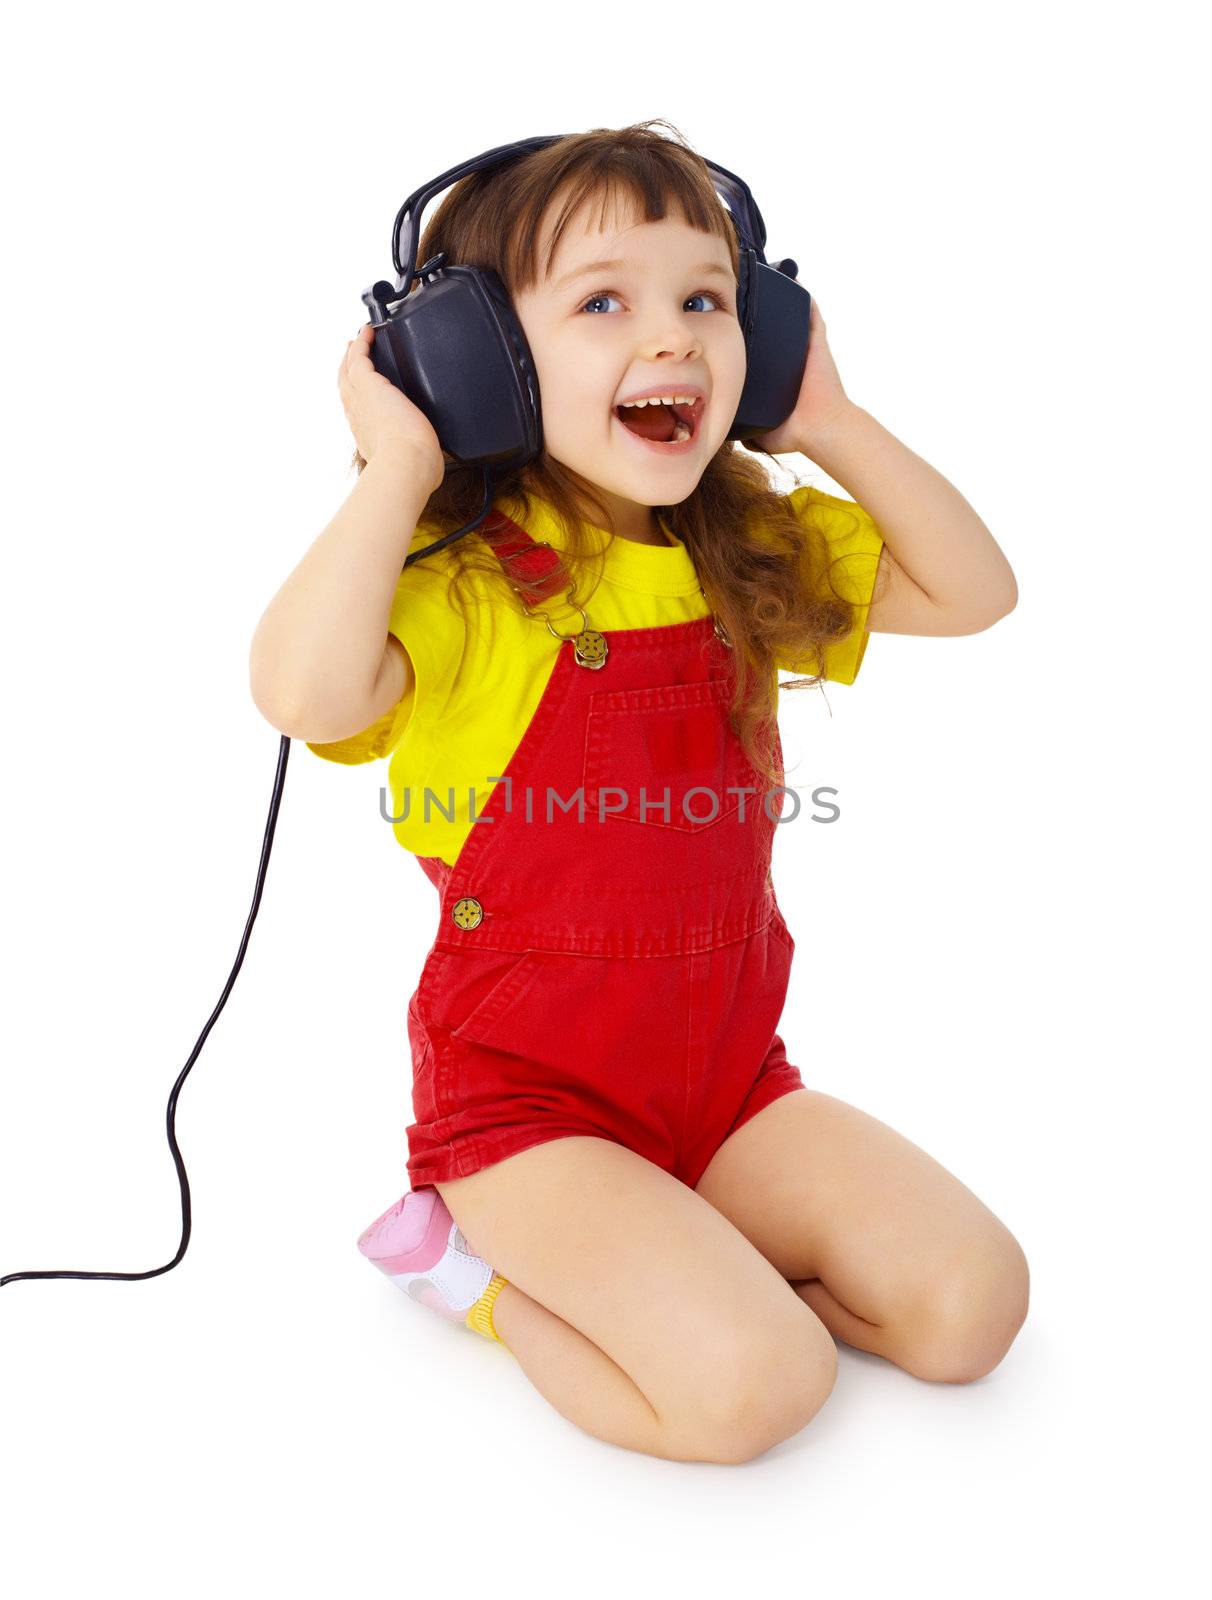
(457, 350)
(774, 312)
(747, 260)
(526, 377)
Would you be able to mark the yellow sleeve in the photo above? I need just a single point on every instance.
(379, 740)
(846, 571)
(430, 625)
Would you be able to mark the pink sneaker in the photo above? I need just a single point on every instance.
(419, 1245)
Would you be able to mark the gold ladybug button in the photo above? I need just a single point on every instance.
(590, 648)
(468, 913)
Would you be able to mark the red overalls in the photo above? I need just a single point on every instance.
(611, 976)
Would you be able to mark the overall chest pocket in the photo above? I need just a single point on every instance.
(665, 743)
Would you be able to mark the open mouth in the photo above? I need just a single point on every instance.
(661, 424)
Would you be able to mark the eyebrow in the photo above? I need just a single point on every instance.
(705, 268)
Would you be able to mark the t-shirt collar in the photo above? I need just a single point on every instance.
(650, 568)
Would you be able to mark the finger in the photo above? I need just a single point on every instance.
(356, 347)
(353, 349)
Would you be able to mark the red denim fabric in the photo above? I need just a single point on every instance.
(626, 976)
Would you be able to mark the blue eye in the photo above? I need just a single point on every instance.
(607, 294)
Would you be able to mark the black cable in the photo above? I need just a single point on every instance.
(266, 847)
(457, 533)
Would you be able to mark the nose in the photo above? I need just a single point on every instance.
(666, 336)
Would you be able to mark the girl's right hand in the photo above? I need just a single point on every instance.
(380, 415)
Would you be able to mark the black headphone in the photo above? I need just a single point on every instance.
(458, 352)
(456, 349)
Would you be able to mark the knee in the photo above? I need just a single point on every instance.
(761, 1389)
(969, 1314)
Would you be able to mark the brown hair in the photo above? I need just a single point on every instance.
(754, 580)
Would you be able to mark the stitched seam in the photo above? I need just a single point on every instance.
(500, 999)
(681, 1144)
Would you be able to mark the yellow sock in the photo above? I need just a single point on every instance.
(479, 1318)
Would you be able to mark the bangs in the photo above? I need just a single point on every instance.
(631, 186)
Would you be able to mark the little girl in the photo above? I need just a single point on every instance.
(615, 1169)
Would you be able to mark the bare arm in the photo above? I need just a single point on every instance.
(941, 570)
(322, 665)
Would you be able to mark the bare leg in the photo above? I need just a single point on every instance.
(892, 1253)
(581, 1381)
(643, 1315)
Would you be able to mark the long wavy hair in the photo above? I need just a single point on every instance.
(746, 542)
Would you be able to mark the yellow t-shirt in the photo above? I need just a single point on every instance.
(479, 675)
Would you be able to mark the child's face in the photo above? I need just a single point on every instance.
(661, 320)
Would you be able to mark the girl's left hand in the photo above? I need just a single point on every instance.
(822, 400)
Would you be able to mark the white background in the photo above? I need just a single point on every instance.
(998, 945)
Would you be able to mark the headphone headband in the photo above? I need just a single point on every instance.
(734, 191)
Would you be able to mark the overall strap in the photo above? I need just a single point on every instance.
(534, 559)
(531, 560)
